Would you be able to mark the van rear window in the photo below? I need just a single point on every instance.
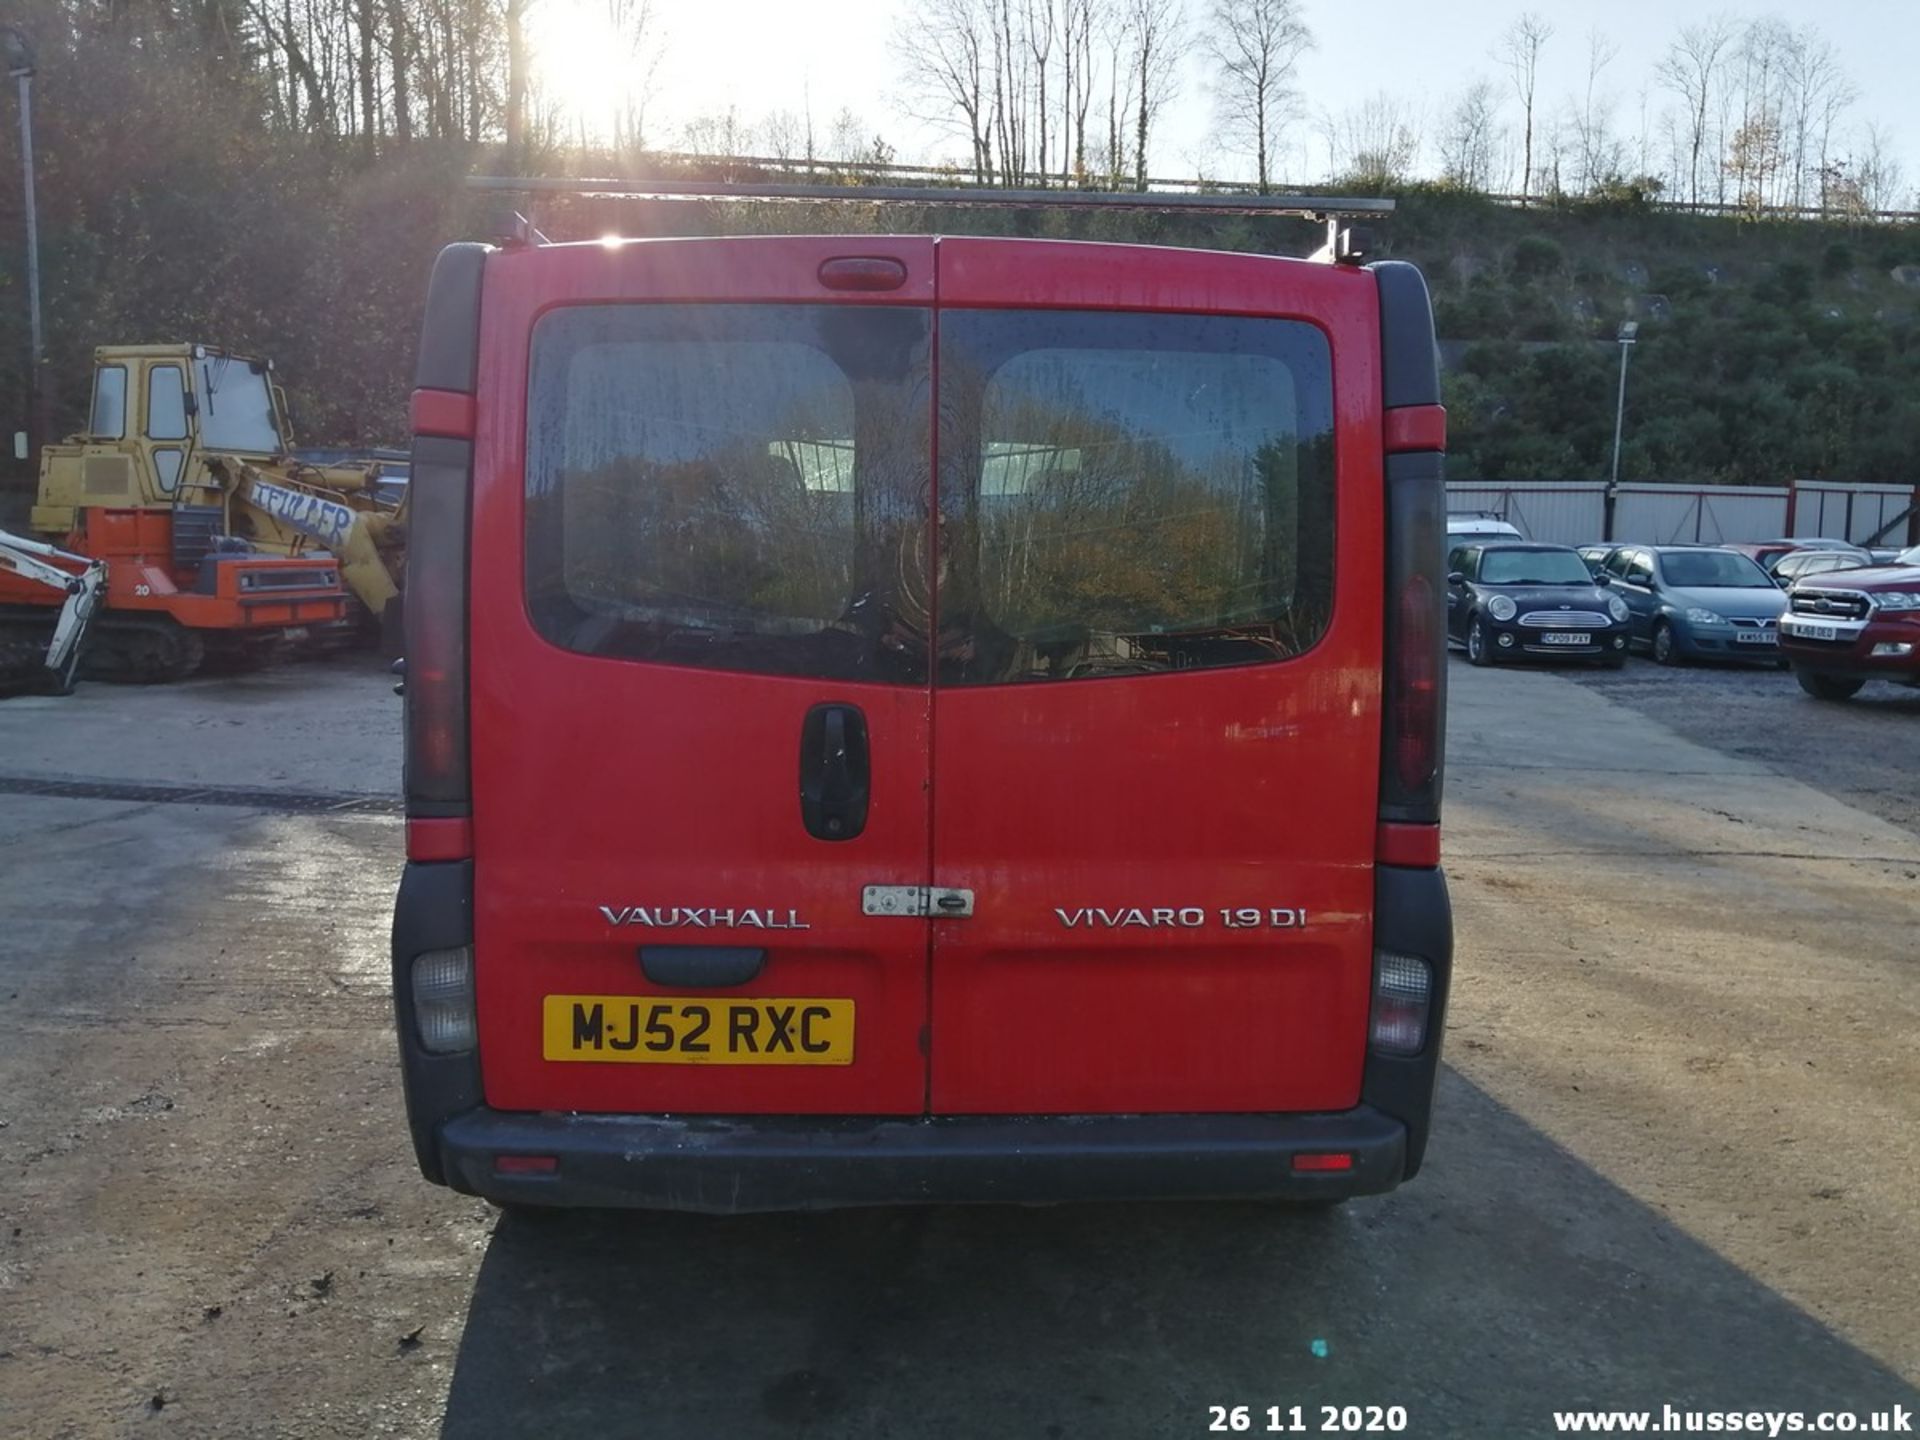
(1131, 493)
(734, 486)
(747, 487)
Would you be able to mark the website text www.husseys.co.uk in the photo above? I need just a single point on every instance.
(1669, 1421)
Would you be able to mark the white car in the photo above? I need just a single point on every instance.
(1481, 527)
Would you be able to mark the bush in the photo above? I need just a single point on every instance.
(1838, 260)
(1790, 284)
(1535, 255)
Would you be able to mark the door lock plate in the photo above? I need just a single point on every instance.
(921, 902)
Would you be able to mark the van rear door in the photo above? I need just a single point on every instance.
(700, 700)
(1157, 712)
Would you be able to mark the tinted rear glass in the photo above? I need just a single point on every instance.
(742, 487)
(1125, 494)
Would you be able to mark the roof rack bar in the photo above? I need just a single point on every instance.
(1312, 207)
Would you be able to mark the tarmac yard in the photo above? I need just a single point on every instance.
(1677, 1160)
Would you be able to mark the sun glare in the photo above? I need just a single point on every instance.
(587, 77)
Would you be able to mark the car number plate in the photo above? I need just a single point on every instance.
(1567, 637)
(645, 1030)
(1756, 637)
(1807, 630)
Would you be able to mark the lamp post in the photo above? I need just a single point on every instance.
(20, 58)
(1628, 330)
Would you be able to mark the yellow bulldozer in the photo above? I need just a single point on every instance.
(186, 484)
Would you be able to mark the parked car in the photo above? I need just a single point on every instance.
(1845, 628)
(1798, 564)
(1767, 553)
(1481, 525)
(1594, 557)
(1511, 599)
(1696, 602)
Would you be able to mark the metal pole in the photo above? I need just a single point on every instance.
(1620, 410)
(36, 361)
(1619, 421)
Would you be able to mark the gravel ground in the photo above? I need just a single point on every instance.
(1866, 751)
(1674, 1159)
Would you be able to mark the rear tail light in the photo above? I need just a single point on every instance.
(436, 629)
(1416, 712)
(443, 1000)
(1326, 1161)
(1413, 717)
(526, 1164)
(1402, 1000)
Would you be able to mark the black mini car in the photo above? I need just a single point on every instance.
(1507, 600)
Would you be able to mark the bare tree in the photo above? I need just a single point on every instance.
(1037, 23)
(1756, 154)
(1593, 126)
(1519, 52)
(1466, 144)
(1119, 64)
(1257, 45)
(1817, 92)
(1878, 171)
(636, 24)
(1156, 29)
(782, 135)
(368, 75)
(1375, 143)
(400, 46)
(1690, 69)
(720, 132)
(1080, 19)
(518, 76)
(945, 48)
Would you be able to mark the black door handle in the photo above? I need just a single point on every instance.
(834, 774)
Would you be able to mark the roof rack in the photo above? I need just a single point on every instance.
(1343, 243)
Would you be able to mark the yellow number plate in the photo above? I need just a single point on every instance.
(643, 1030)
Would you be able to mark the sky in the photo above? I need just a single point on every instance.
(760, 55)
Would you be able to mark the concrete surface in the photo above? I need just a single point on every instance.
(1675, 1161)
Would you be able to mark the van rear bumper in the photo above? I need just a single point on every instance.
(742, 1165)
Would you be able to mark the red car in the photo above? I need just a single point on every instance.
(1769, 553)
(1851, 626)
(907, 719)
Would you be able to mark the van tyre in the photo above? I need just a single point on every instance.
(1479, 652)
(1827, 687)
(1666, 649)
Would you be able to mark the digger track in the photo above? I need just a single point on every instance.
(23, 668)
(132, 649)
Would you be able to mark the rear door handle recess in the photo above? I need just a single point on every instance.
(834, 772)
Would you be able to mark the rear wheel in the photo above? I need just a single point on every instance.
(1478, 651)
(1827, 687)
(1666, 649)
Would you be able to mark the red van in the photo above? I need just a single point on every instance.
(906, 719)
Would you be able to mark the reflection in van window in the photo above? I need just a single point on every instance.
(1131, 493)
(741, 487)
